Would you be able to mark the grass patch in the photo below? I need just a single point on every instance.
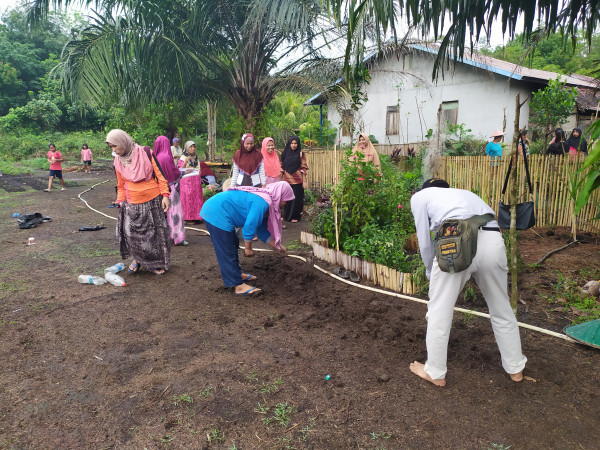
(7, 289)
(93, 250)
(36, 163)
(567, 296)
(268, 388)
(10, 168)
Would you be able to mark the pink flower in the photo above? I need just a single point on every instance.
(399, 206)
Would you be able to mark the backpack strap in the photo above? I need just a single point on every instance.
(526, 168)
(481, 219)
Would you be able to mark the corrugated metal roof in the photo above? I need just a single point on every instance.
(511, 70)
(484, 62)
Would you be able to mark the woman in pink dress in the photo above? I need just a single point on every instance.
(191, 195)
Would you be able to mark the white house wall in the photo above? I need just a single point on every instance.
(483, 100)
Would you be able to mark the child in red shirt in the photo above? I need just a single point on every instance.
(55, 158)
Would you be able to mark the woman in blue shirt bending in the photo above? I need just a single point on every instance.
(257, 212)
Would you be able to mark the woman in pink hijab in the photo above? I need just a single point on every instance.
(143, 196)
(271, 161)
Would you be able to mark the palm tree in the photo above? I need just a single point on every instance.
(186, 50)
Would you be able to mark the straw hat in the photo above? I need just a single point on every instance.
(497, 133)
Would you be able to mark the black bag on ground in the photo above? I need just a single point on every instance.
(27, 221)
(525, 210)
(456, 242)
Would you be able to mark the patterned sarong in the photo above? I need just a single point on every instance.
(144, 234)
(175, 216)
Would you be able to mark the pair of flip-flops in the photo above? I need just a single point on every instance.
(347, 274)
(133, 269)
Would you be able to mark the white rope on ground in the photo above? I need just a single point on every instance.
(379, 291)
(114, 218)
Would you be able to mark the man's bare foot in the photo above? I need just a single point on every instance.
(517, 376)
(419, 369)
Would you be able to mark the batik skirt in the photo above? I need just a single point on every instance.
(175, 215)
(144, 234)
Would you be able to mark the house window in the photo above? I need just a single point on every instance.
(450, 113)
(347, 119)
(392, 121)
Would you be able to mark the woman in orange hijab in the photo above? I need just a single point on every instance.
(364, 146)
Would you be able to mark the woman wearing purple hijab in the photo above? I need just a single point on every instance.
(162, 151)
(256, 211)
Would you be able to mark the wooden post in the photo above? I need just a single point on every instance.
(513, 261)
(335, 218)
(211, 126)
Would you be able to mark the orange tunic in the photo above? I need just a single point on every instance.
(142, 191)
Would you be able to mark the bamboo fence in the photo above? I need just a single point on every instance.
(549, 176)
(378, 274)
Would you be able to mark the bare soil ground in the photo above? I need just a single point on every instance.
(177, 361)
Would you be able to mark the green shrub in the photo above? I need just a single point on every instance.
(373, 212)
(8, 168)
(24, 145)
(382, 245)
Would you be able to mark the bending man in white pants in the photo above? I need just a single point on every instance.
(433, 204)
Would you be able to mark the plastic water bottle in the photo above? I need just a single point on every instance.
(91, 279)
(114, 279)
(115, 269)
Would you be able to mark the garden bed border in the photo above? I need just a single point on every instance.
(378, 274)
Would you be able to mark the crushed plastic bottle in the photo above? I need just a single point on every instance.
(91, 279)
(116, 268)
(114, 279)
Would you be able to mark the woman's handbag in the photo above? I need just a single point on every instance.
(525, 210)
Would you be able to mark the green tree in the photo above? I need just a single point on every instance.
(135, 53)
(552, 53)
(23, 52)
(551, 107)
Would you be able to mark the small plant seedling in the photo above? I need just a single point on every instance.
(468, 318)
(470, 294)
(206, 392)
(187, 398)
(267, 388)
(262, 409)
(499, 447)
(167, 439)
(381, 435)
(306, 430)
(215, 435)
(252, 376)
(283, 413)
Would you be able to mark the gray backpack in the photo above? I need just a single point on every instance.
(455, 242)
